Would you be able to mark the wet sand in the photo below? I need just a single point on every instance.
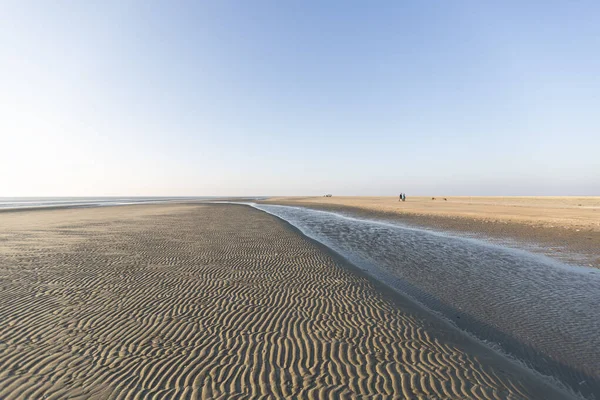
(567, 228)
(216, 301)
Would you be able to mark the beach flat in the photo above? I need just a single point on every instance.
(216, 301)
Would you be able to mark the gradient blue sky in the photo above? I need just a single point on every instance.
(299, 98)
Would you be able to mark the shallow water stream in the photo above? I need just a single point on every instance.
(536, 309)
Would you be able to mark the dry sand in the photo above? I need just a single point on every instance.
(215, 301)
(558, 224)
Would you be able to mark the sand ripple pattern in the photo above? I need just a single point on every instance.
(209, 302)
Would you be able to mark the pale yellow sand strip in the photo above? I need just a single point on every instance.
(571, 212)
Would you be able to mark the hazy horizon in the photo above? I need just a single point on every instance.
(254, 99)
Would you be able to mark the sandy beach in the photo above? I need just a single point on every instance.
(216, 301)
(559, 225)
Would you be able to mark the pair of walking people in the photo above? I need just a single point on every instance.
(402, 197)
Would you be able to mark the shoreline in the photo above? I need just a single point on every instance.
(576, 245)
(202, 293)
(579, 245)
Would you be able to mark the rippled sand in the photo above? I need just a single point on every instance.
(215, 301)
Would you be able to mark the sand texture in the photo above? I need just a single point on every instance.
(215, 301)
(557, 224)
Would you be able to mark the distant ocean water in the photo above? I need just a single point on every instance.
(53, 202)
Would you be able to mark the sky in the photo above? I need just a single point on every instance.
(200, 98)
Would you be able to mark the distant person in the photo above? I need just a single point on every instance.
(403, 196)
(400, 197)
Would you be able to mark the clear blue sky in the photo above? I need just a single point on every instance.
(299, 98)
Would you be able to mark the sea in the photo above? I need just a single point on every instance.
(7, 203)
